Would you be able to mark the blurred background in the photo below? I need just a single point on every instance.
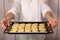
(5, 5)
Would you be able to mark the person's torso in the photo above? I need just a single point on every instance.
(30, 10)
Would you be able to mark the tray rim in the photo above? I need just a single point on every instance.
(29, 33)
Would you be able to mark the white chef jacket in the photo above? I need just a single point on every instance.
(30, 10)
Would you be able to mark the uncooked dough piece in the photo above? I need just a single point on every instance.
(13, 30)
(43, 31)
(34, 27)
(34, 24)
(34, 30)
(20, 30)
(28, 25)
(15, 25)
(42, 25)
(21, 25)
(28, 30)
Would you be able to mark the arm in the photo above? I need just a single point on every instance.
(47, 13)
(11, 14)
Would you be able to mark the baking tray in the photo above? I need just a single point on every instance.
(47, 31)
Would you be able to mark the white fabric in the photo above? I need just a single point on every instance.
(30, 10)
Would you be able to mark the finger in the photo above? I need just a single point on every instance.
(48, 24)
(3, 26)
(54, 25)
(8, 23)
(51, 24)
(56, 22)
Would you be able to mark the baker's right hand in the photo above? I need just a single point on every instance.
(5, 23)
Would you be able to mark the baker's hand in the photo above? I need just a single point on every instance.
(52, 22)
(5, 23)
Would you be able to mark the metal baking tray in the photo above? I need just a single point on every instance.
(42, 30)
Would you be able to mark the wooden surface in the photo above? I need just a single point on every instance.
(5, 5)
(59, 20)
(1, 16)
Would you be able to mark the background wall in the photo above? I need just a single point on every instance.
(54, 4)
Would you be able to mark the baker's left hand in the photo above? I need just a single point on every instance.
(52, 22)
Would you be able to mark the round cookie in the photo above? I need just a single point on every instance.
(15, 25)
(13, 29)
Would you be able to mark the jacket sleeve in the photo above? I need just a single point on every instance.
(44, 7)
(15, 7)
